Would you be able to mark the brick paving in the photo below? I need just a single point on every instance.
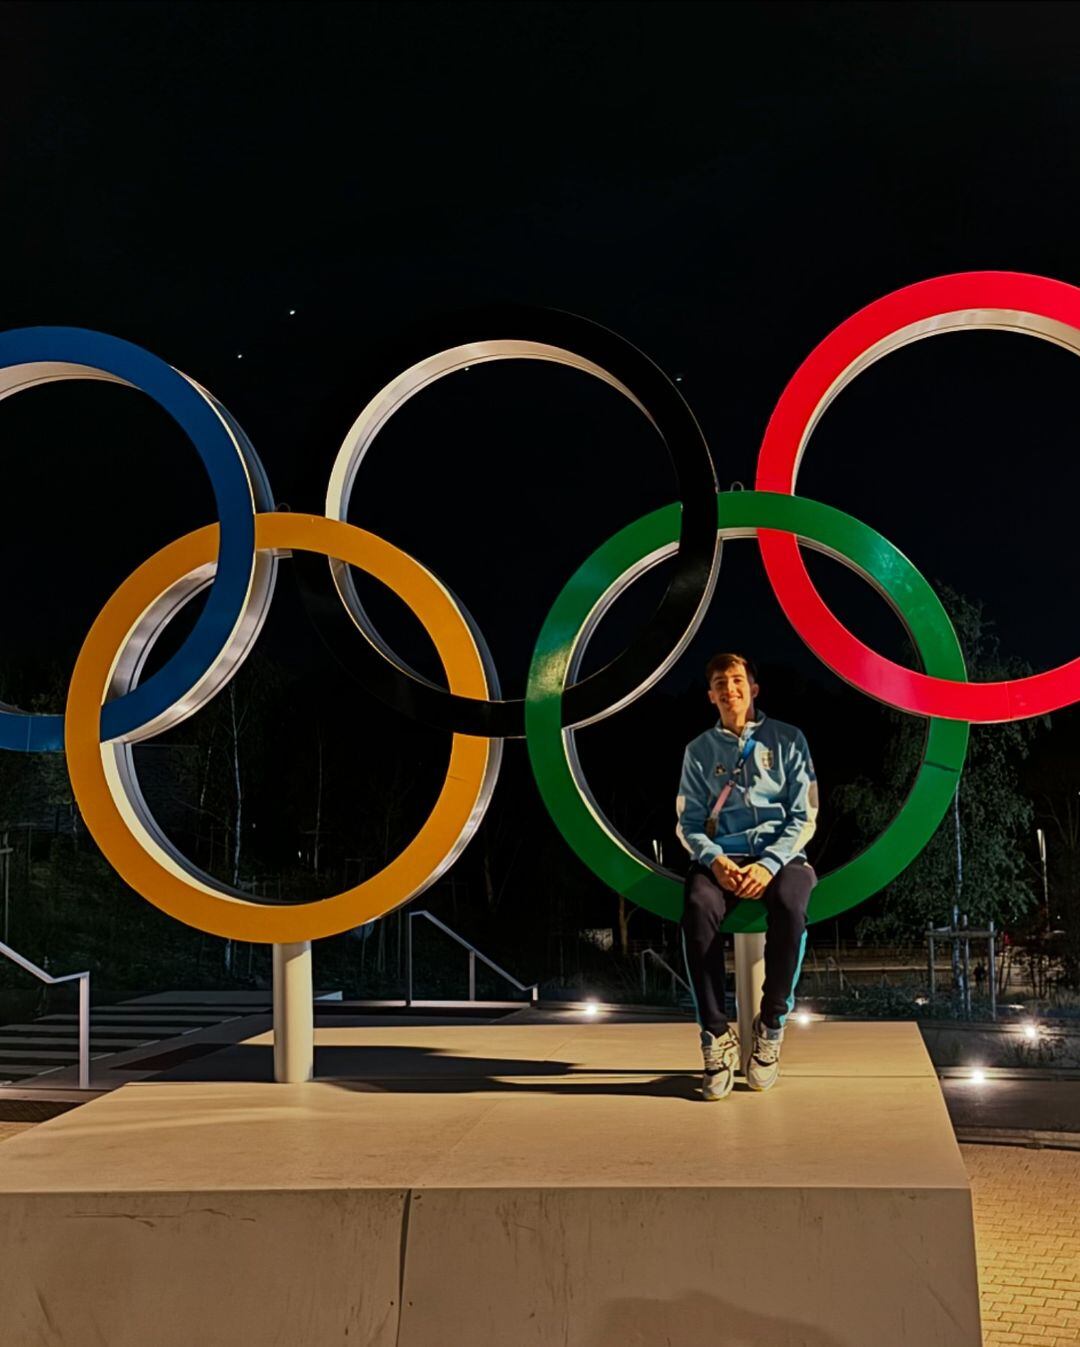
(1027, 1234)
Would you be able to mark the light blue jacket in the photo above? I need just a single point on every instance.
(770, 814)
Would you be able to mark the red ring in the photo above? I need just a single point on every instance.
(972, 299)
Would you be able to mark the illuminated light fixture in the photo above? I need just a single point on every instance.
(978, 1076)
(1031, 1031)
(802, 1017)
(590, 1009)
(922, 1000)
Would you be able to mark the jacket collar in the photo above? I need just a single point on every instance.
(751, 727)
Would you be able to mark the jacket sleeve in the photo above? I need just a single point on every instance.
(691, 811)
(801, 804)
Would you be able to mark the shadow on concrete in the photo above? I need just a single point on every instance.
(695, 1318)
(401, 1069)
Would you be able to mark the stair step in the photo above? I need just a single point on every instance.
(69, 1031)
(71, 1041)
(110, 1017)
(43, 1055)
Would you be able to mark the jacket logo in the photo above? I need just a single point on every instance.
(721, 770)
(767, 759)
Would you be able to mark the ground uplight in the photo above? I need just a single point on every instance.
(590, 1009)
(1031, 1032)
(978, 1076)
(802, 1017)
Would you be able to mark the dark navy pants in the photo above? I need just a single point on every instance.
(706, 905)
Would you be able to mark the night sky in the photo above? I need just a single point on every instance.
(720, 184)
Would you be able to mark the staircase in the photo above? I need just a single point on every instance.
(31, 1053)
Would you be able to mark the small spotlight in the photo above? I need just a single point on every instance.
(1031, 1032)
(239, 355)
(590, 1009)
(922, 1000)
(292, 313)
(978, 1076)
(802, 1017)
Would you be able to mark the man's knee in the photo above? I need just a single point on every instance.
(789, 892)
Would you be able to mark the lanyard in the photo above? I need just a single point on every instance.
(740, 766)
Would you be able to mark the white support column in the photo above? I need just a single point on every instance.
(84, 1032)
(749, 980)
(294, 1016)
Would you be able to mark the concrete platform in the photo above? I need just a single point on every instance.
(500, 1186)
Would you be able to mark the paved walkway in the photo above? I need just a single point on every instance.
(1047, 1104)
(1027, 1230)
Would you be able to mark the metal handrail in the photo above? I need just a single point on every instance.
(84, 1005)
(675, 977)
(474, 954)
(833, 966)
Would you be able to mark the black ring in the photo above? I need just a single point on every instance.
(380, 672)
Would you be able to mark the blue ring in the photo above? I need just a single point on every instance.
(233, 494)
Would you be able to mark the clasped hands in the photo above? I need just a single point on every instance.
(744, 881)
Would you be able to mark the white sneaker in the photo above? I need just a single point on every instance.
(721, 1054)
(764, 1065)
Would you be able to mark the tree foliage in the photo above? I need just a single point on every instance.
(992, 814)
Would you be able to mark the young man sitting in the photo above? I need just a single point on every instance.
(747, 806)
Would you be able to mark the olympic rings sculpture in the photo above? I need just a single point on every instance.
(110, 708)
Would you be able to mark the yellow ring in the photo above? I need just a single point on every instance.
(140, 859)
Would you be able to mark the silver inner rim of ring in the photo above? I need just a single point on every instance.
(119, 763)
(15, 378)
(362, 435)
(588, 629)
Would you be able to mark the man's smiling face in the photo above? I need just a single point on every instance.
(732, 692)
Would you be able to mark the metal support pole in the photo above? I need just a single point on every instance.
(84, 1032)
(1041, 839)
(992, 972)
(967, 970)
(749, 981)
(472, 975)
(933, 970)
(408, 957)
(294, 1014)
(6, 853)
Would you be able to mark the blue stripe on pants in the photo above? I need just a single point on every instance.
(794, 980)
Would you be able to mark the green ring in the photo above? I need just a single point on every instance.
(740, 514)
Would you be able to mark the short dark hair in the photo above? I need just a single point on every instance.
(721, 663)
